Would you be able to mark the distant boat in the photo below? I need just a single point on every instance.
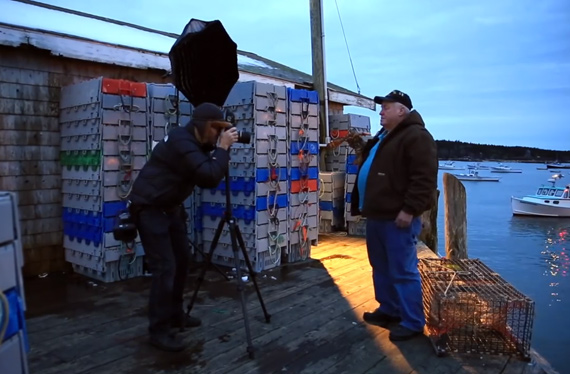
(474, 176)
(449, 166)
(548, 201)
(504, 169)
(477, 166)
(557, 165)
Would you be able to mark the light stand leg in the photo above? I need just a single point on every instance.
(252, 274)
(240, 287)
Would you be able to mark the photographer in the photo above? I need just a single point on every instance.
(182, 160)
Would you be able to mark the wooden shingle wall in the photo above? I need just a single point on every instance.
(30, 84)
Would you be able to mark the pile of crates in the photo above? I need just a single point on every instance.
(257, 180)
(342, 158)
(14, 344)
(108, 128)
(273, 179)
(303, 172)
(331, 201)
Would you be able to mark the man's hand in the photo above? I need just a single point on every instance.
(228, 137)
(404, 219)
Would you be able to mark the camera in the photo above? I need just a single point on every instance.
(244, 137)
(125, 229)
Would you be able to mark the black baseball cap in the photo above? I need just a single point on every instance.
(395, 96)
(208, 112)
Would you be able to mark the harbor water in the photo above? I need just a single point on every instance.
(531, 253)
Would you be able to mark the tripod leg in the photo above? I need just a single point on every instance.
(212, 264)
(207, 261)
(233, 234)
(252, 274)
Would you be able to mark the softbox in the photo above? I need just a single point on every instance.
(204, 62)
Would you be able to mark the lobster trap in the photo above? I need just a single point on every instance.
(470, 309)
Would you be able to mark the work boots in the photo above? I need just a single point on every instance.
(167, 342)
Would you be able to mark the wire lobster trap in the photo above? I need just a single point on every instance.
(470, 309)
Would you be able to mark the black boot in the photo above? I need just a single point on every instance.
(167, 342)
(379, 318)
(183, 320)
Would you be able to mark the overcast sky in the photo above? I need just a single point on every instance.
(482, 71)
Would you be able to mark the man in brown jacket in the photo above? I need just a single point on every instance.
(394, 186)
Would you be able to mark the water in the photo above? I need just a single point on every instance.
(531, 253)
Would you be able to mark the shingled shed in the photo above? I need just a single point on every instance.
(36, 61)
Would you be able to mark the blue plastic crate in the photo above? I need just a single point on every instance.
(348, 197)
(262, 175)
(237, 184)
(112, 208)
(214, 210)
(16, 318)
(311, 173)
(326, 205)
(352, 169)
(82, 232)
(299, 95)
(282, 201)
(312, 147)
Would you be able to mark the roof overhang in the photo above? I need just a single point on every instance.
(91, 50)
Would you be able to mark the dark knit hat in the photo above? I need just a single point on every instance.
(208, 112)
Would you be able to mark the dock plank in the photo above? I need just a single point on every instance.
(316, 326)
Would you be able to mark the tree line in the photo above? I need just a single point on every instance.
(457, 150)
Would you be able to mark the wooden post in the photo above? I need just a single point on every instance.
(455, 200)
(319, 71)
(429, 225)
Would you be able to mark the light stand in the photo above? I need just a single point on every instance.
(237, 244)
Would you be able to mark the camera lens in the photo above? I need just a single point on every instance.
(244, 137)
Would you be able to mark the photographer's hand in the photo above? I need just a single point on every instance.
(228, 137)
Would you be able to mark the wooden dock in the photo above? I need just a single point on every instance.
(76, 327)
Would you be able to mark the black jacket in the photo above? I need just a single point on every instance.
(403, 174)
(176, 165)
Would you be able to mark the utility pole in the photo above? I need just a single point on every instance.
(319, 71)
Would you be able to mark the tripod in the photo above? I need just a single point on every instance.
(204, 256)
(236, 240)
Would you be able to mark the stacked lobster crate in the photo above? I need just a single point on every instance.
(257, 180)
(14, 344)
(341, 125)
(108, 128)
(104, 145)
(331, 201)
(303, 171)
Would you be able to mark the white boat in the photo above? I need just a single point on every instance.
(477, 166)
(504, 169)
(474, 176)
(548, 201)
(449, 166)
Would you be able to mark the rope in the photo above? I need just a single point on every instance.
(347, 49)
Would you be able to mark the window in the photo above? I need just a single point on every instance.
(559, 193)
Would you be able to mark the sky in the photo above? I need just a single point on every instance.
(486, 71)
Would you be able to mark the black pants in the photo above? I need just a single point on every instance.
(164, 238)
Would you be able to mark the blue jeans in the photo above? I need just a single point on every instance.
(394, 260)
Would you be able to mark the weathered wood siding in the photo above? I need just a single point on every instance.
(30, 84)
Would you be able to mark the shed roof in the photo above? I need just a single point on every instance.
(26, 22)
